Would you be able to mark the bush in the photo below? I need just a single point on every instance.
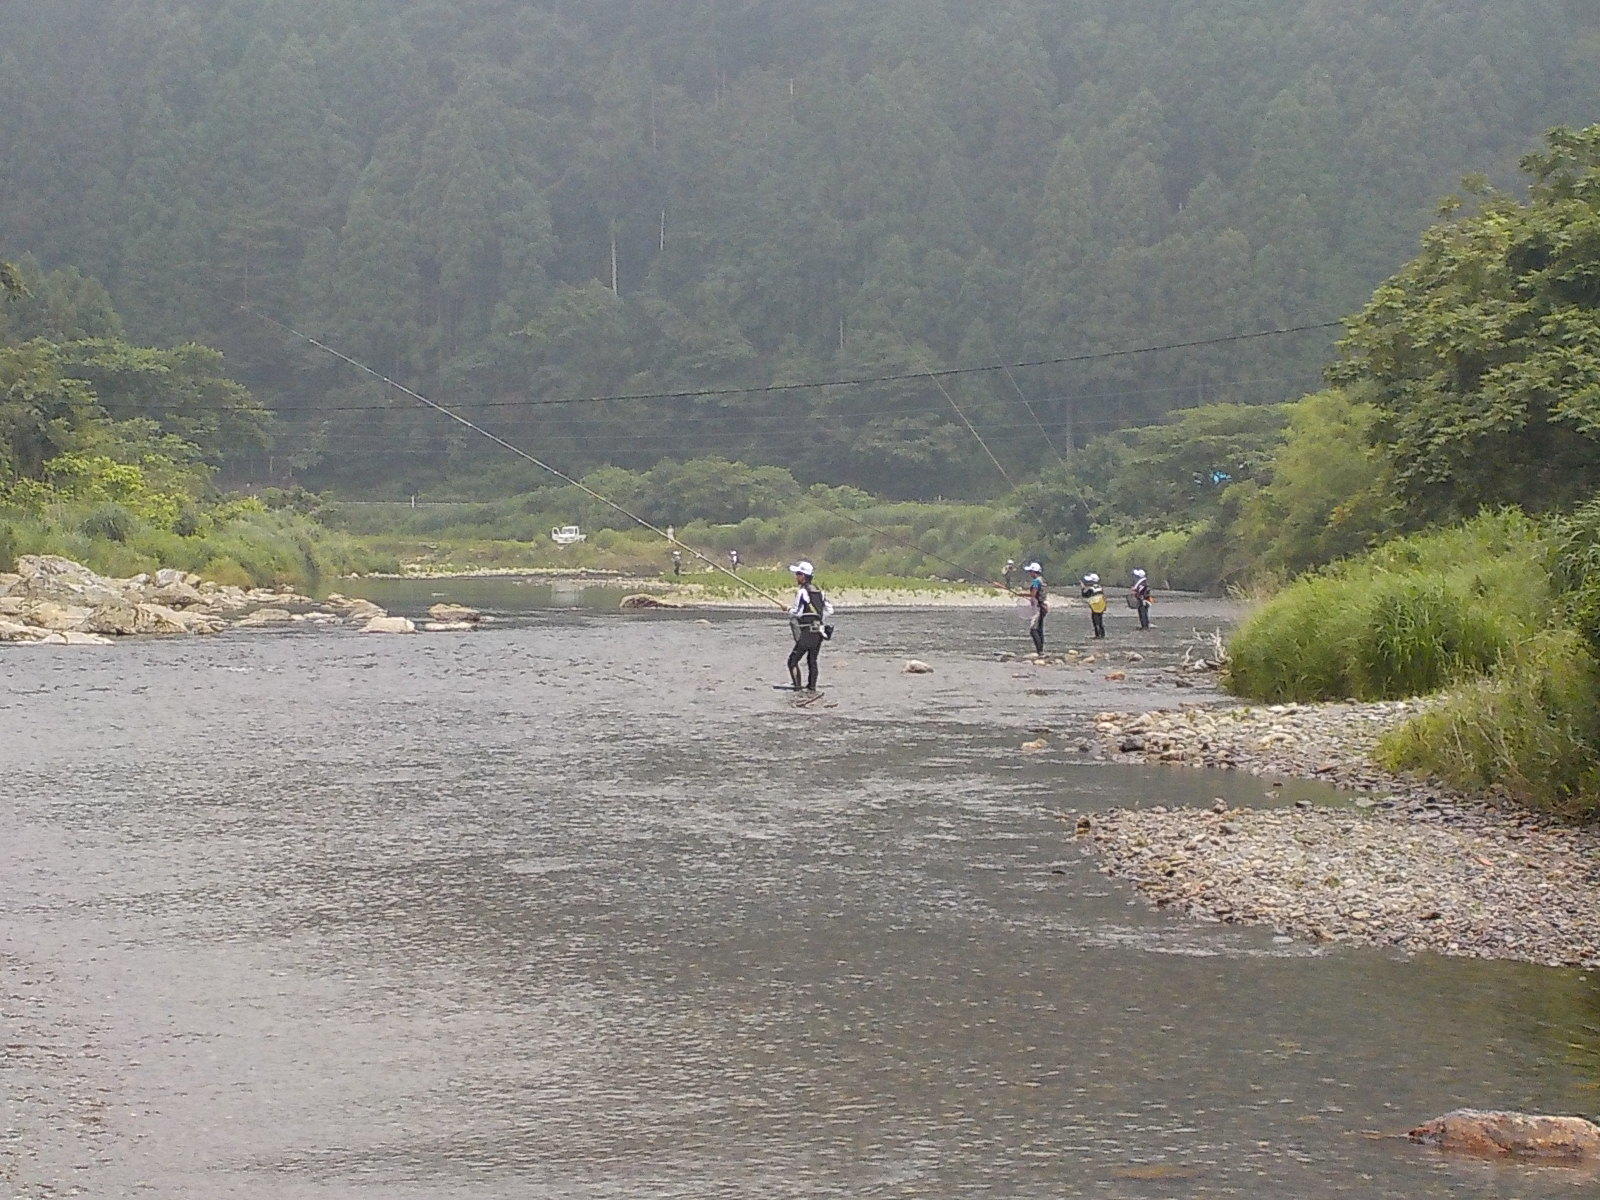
(1533, 729)
(109, 521)
(1577, 569)
(228, 572)
(1405, 620)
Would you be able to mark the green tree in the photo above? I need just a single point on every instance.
(1483, 354)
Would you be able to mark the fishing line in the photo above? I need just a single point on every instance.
(1049, 441)
(518, 451)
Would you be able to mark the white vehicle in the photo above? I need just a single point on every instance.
(568, 535)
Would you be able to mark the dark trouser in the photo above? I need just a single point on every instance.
(806, 646)
(1099, 620)
(1036, 630)
(1144, 614)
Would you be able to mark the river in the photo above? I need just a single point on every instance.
(579, 907)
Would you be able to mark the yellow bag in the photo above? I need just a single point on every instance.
(1097, 602)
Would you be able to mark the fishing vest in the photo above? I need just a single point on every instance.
(810, 621)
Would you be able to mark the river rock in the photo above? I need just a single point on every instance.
(1511, 1135)
(72, 637)
(356, 610)
(388, 625)
(176, 594)
(449, 626)
(15, 631)
(915, 666)
(645, 600)
(454, 613)
(8, 581)
(158, 618)
(117, 617)
(51, 577)
(265, 616)
(52, 616)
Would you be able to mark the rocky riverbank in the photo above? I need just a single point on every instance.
(55, 601)
(1410, 864)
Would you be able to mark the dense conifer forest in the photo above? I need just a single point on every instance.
(510, 202)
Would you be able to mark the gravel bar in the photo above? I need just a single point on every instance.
(1411, 864)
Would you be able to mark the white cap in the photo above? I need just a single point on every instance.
(1091, 579)
(1137, 573)
(1033, 566)
(802, 568)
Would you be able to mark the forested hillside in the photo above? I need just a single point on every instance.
(508, 202)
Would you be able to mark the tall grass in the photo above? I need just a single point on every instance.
(1407, 619)
(232, 543)
(1533, 728)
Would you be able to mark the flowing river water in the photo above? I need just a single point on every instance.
(578, 907)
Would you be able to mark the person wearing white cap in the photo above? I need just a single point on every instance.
(1096, 597)
(1038, 596)
(1139, 594)
(808, 617)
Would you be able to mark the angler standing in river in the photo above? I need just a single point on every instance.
(1096, 597)
(808, 617)
(1140, 595)
(1039, 598)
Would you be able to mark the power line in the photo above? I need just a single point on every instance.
(909, 404)
(859, 381)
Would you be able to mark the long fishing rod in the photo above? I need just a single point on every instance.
(517, 450)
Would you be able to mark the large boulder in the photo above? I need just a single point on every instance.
(1512, 1135)
(8, 581)
(50, 577)
(15, 631)
(454, 613)
(48, 614)
(174, 594)
(118, 617)
(157, 618)
(388, 625)
(195, 621)
(356, 610)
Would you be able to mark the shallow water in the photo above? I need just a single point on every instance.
(577, 906)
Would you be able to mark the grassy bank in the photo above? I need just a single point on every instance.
(238, 541)
(1489, 615)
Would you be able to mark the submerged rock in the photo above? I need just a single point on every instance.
(645, 600)
(1511, 1135)
(915, 666)
(449, 626)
